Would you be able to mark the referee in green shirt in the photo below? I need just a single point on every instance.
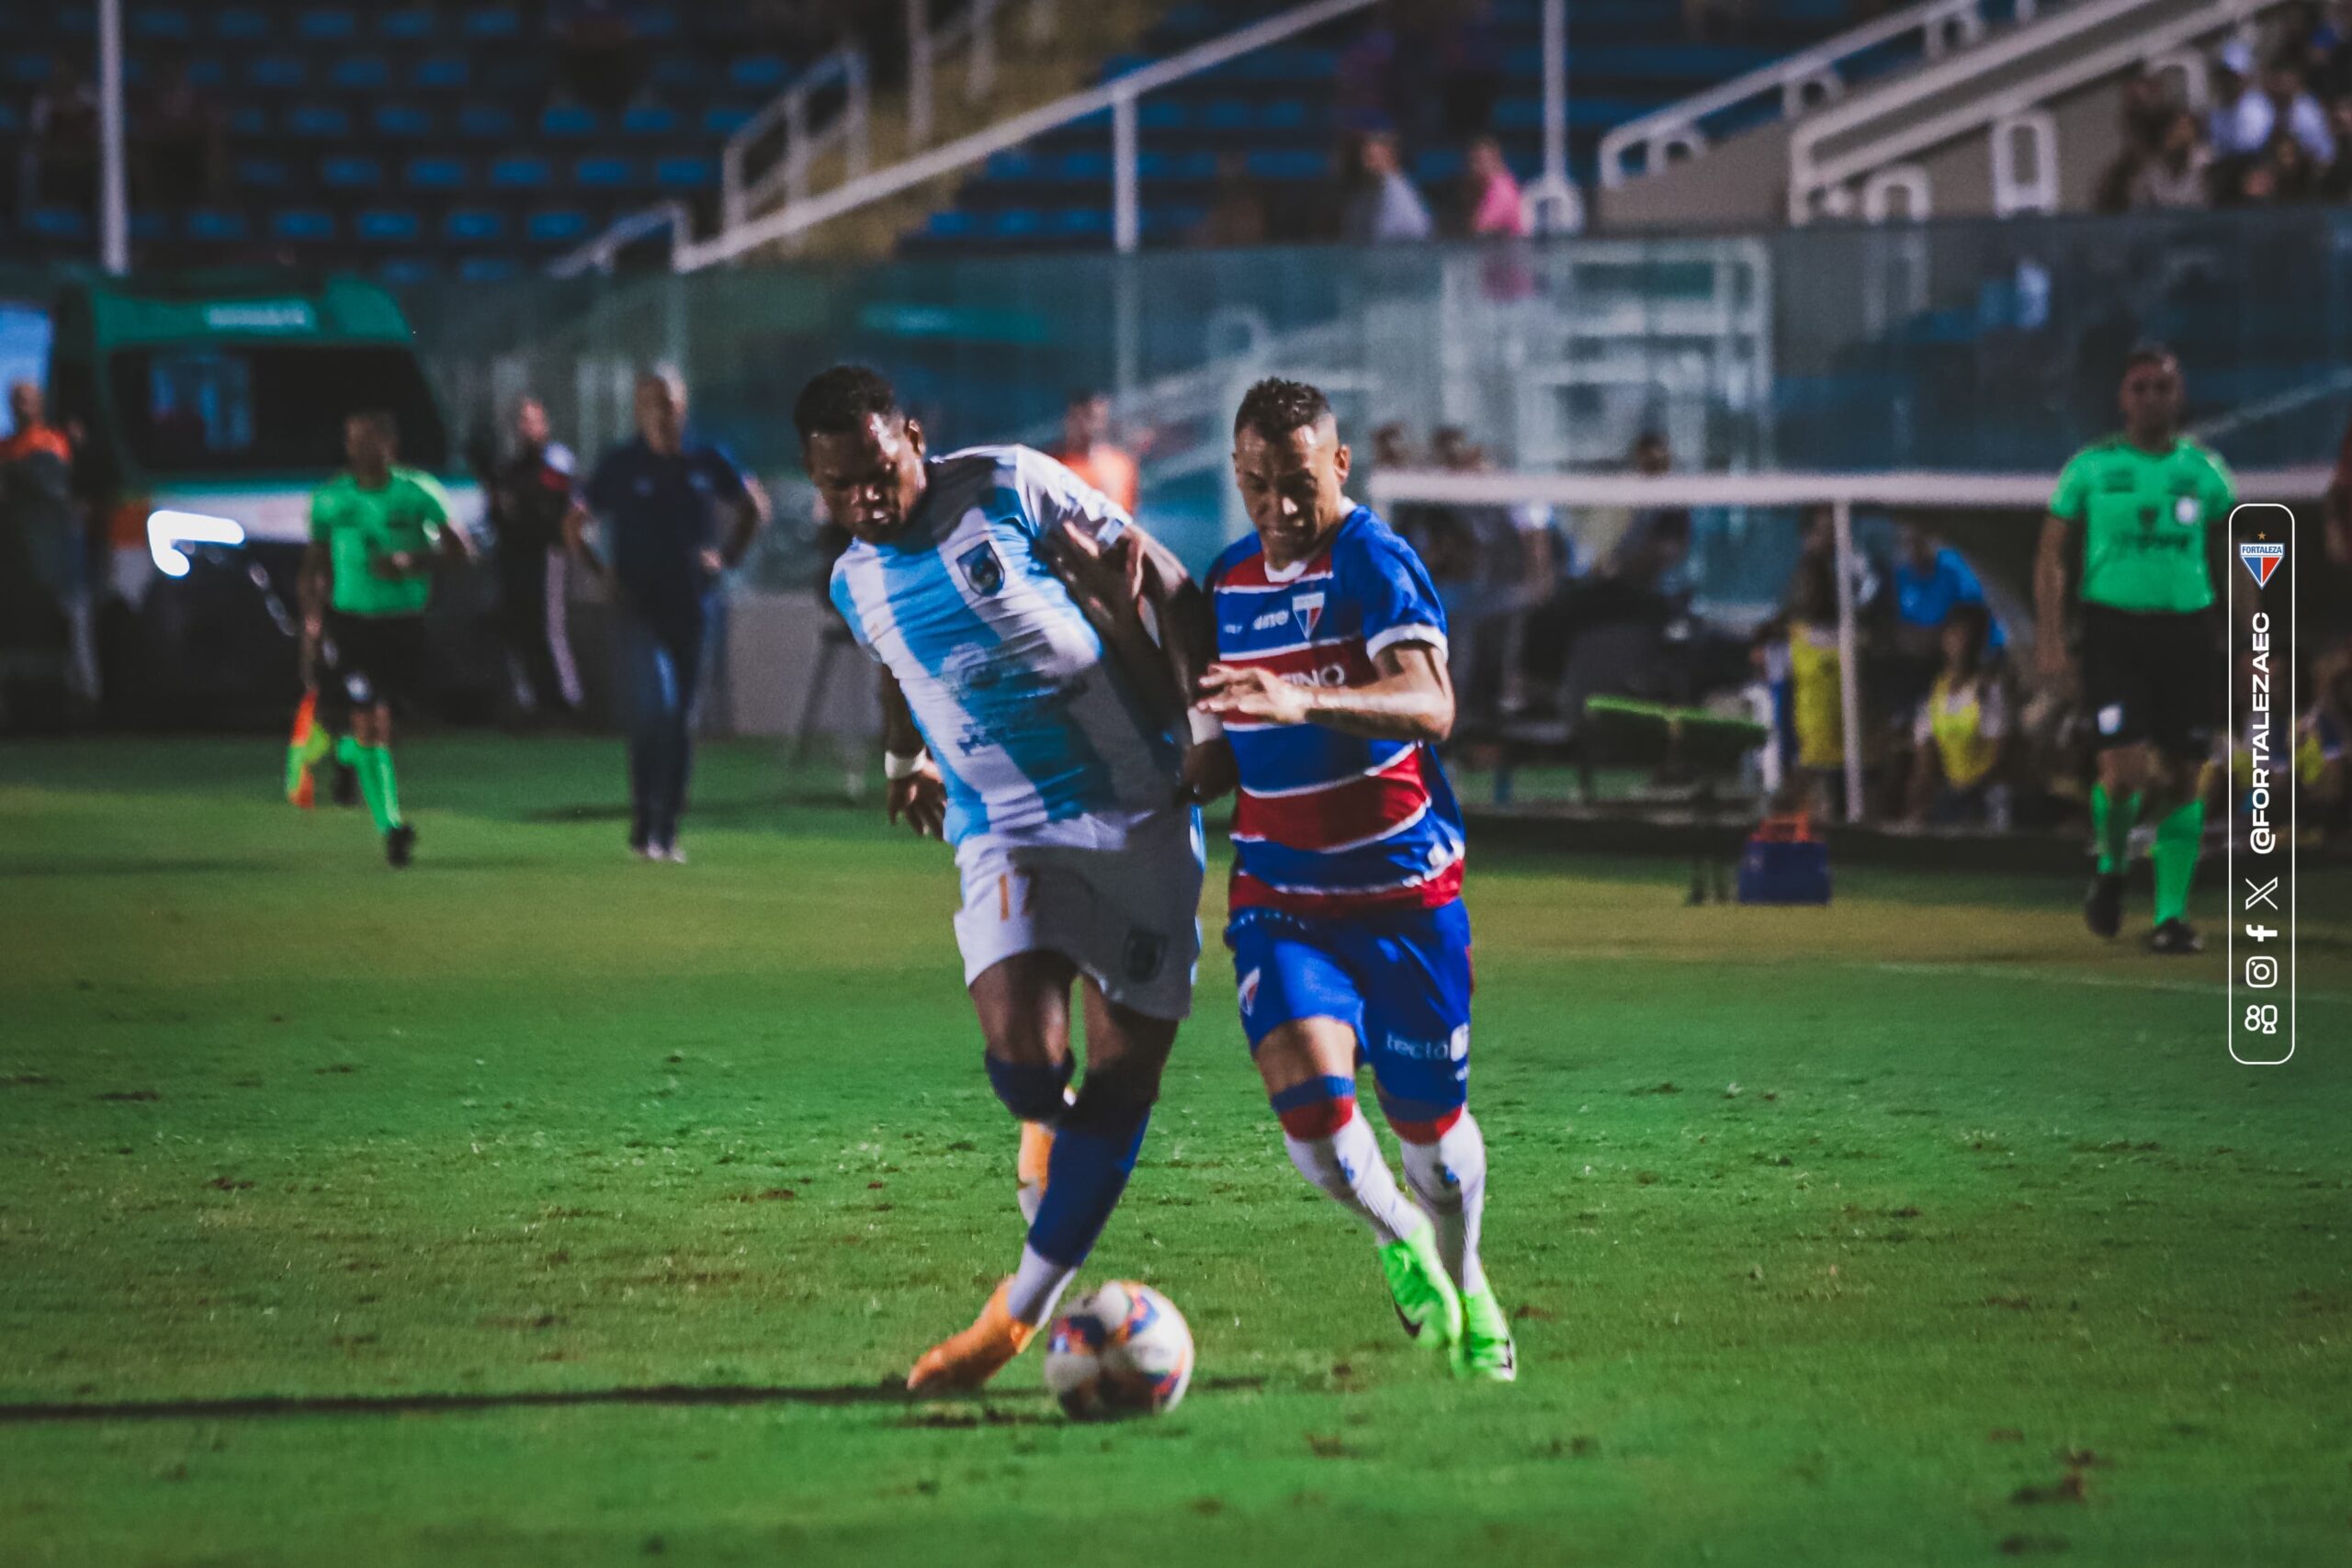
(2138, 529)
(366, 582)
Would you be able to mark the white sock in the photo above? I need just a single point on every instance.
(1349, 1167)
(1031, 1196)
(1036, 1285)
(1449, 1181)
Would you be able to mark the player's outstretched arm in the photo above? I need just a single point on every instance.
(1412, 700)
(915, 790)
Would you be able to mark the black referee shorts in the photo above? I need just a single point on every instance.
(2153, 677)
(367, 660)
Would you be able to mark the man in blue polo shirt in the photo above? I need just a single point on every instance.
(672, 514)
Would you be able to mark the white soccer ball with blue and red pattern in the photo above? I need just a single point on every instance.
(1125, 1350)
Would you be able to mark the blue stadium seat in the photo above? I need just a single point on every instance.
(604, 173)
(10, 122)
(208, 70)
(488, 121)
(1013, 163)
(1198, 164)
(687, 171)
(758, 73)
(489, 269)
(558, 226)
(1436, 166)
(159, 22)
(1081, 222)
(58, 224)
(1289, 163)
(362, 73)
(78, 21)
(1161, 112)
(951, 224)
(650, 119)
(220, 225)
(686, 71)
(1015, 223)
(520, 172)
(263, 174)
(725, 119)
(321, 120)
(434, 174)
(655, 21)
(349, 173)
(401, 272)
(473, 223)
(304, 223)
(441, 71)
(414, 26)
(402, 119)
(243, 24)
(492, 26)
(148, 225)
(277, 71)
(1283, 114)
(388, 226)
(567, 120)
(29, 68)
(1226, 114)
(1087, 165)
(326, 26)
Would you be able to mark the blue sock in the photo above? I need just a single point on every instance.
(1094, 1153)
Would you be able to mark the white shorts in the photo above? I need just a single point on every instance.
(1118, 897)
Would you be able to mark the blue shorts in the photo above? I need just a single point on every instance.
(1400, 980)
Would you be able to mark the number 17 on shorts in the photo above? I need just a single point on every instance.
(2262, 782)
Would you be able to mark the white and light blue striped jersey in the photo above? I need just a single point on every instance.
(1023, 710)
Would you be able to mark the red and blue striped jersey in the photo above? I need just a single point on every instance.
(1328, 823)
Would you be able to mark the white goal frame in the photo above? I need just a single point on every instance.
(1904, 491)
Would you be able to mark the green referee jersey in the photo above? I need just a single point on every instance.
(358, 525)
(2148, 520)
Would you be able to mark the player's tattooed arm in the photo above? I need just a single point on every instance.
(1412, 699)
(920, 794)
(2050, 597)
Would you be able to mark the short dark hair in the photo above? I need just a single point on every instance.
(840, 401)
(1273, 408)
(2148, 354)
(380, 421)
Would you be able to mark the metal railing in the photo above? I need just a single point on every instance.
(600, 254)
(1815, 177)
(848, 131)
(1805, 81)
(1119, 95)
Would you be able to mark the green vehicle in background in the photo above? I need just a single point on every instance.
(206, 409)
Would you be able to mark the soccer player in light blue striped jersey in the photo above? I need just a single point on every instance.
(1030, 720)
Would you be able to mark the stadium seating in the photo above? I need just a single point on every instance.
(411, 141)
(1280, 108)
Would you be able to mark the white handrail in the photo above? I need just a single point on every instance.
(851, 131)
(1677, 125)
(599, 254)
(1809, 174)
(795, 218)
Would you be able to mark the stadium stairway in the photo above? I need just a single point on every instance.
(410, 141)
(1278, 109)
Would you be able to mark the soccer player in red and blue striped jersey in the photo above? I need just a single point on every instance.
(1350, 941)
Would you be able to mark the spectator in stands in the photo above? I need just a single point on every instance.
(1817, 697)
(1495, 210)
(2175, 177)
(1087, 451)
(2148, 112)
(2292, 174)
(1386, 208)
(61, 153)
(1962, 731)
(1932, 584)
(1237, 214)
(2242, 114)
(180, 140)
(597, 49)
(2296, 113)
(1392, 447)
(529, 494)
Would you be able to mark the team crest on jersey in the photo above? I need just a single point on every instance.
(1309, 608)
(1249, 992)
(2261, 560)
(982, 569)
(1147, 951)
(2186, 510)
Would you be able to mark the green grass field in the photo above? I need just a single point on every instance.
(537, 1205)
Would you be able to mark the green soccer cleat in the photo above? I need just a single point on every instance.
(1427, 1304)
(1486, 1350)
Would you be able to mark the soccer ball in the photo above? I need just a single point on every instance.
(1125, 1350)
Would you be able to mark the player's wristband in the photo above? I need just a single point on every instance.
(1206, 727)
(895, 767)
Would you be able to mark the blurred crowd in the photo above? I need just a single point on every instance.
(2277, 128)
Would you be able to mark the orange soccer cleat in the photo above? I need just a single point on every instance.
(968, 1359)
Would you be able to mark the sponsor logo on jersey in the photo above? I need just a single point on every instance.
(1309, 608)
(1249, 992)
(981, 567)
(1270, 618)
(2261, 560)
(2186, 510)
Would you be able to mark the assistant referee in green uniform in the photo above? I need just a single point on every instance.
(2138, 529)
(366, 583)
